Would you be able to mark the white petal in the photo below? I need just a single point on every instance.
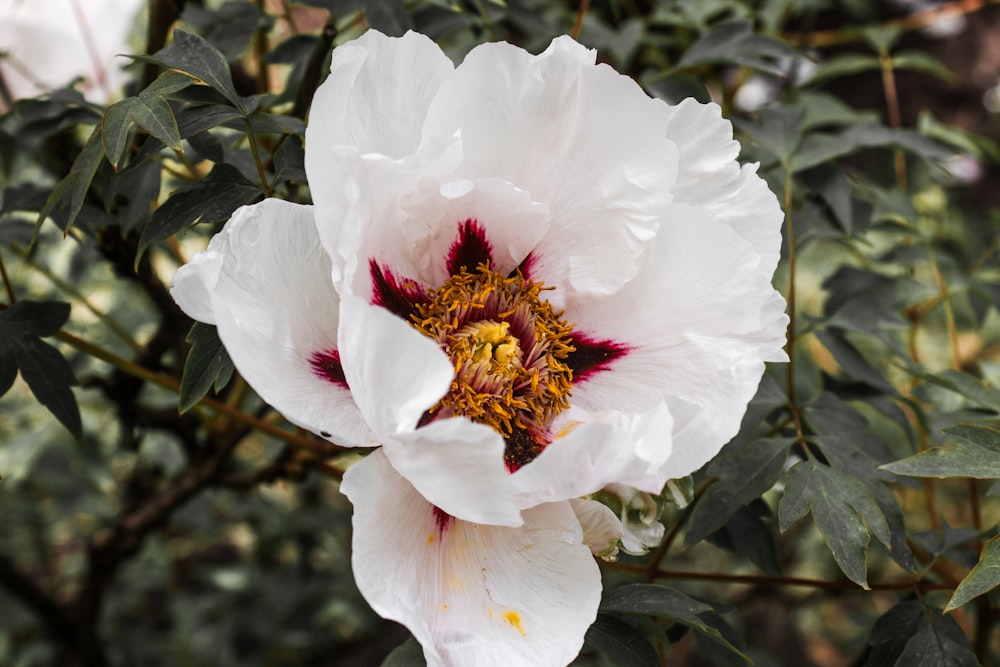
(430, 217)
(395, 373)
(594, 449)
(601, 528)
(700, 319)
(458, 466)
(471, 594)
(364, 133)
(265, 282)
(711, 179)
(376, 96)
(580, 138)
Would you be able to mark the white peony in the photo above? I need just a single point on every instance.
(525, 280)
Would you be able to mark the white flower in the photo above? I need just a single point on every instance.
(524, 279)
(46, 44)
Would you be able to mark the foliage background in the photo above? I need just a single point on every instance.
(153, 511)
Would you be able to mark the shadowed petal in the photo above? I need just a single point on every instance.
(471, 594)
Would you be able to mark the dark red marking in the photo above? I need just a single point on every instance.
(442, 520)
(398, 296)
(326, 365)
(521, 448)
(469, 249)
(525, 267)
(592, 356)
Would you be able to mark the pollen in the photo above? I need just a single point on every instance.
(509, 347)
(514, 620)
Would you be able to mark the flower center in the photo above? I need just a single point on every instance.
(510, 351)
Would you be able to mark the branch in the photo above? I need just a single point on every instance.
(20, 586)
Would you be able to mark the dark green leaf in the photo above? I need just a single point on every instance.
(207, 364)
(621, 643)
(33, 318)
(114, 130)
(744, 472)
(914, 635)
(675, 87)
(843, 437)
(388, 16)
(154, 115)
(212, 199)
(921, 61)
(735, 42)
(842, 65)
(49, 377)
(194, 55)
(166, 84)
(8, 369)
(779, 132)
(983, 578)
(407, 654)
(749, 536)
(200, 118)
(820, 147)
(664, 602)
(844, 510)
(975, 454)
(231, 26)
(289, 161)
(851, 362)
(76, 183)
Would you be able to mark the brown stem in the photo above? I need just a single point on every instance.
(578, 23)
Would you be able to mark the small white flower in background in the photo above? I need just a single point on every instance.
(524, 279)
(45, 44)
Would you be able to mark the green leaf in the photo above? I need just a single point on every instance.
(114, 130)
(76, 183)
(750, 535)
(154, 115)
(842, 65)
(34, 318)
(207, 364)
(820, 147)
(844, 510)
(231, 26)
(921, 61)
(744, 472)
(407, 654)
(194, 55)
(212, 199)
(387, 16)
(983, 578)
(42, 367)
(914, 635)
(956, 137)
(666, 603)
(975, 454)
(779, 131)
(621, 643)
(851, 362)
(735, 42)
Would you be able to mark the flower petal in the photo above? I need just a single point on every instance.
(265, 282)
(600, 448)
(368, 103)
(458, 466)
(364, 133)
(699, 320)
(471, 594)
(395, 373)
(713, 181)
(581, 138)
(601, 528)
